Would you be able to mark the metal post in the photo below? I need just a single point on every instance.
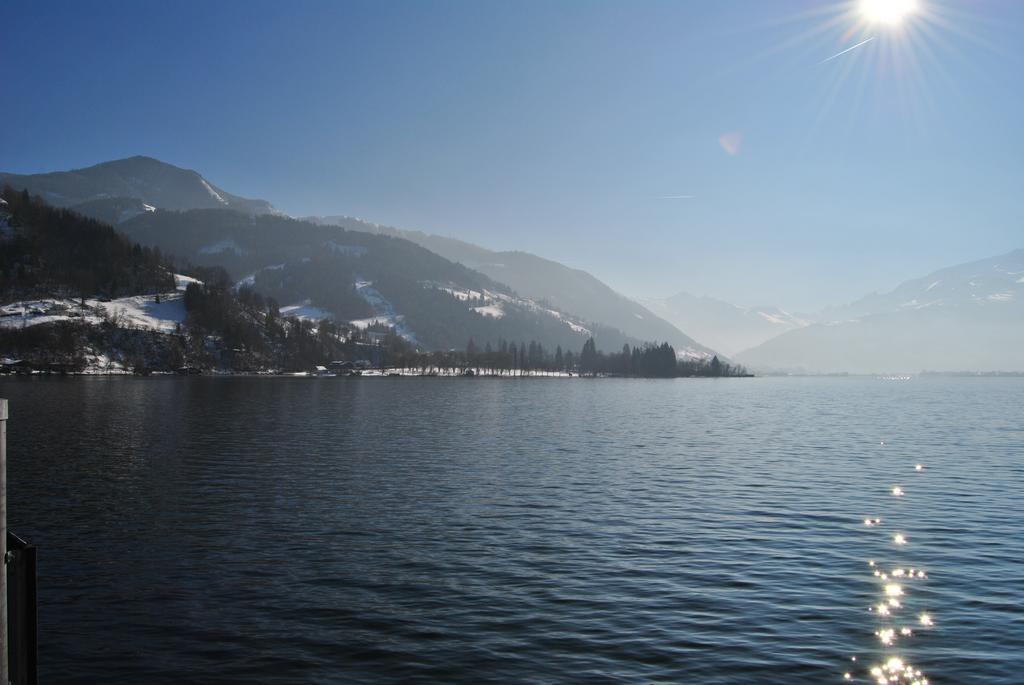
(4, 671)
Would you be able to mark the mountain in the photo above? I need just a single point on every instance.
(546, 281)
(112, 191)
(131, 193)
(724, 326)
(968, 317)
(325, 271)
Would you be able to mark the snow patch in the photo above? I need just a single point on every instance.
(35, 312)
(213, 193)
(492, 310)
(384, 311)
(143, 311)
(305, 310)
(137, 311)
(181, 281)
(462, 294)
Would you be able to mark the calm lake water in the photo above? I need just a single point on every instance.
(541, 530)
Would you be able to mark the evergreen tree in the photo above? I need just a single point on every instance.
(588, 357)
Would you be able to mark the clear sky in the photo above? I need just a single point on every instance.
(568, 129)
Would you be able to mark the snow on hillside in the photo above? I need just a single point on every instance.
(144, 311)
(49, 310)
(987, 282)
(139, 311)
(384, 311)
(490, 303)
(492, 310)
(181, 282)
(213, 193)
(305, 310)
(964, 317)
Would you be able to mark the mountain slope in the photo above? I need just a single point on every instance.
(544, 280)
(131, 191)
(968, 317)
(724, 326)
(142, 179)
(325, 271)
(77, 295)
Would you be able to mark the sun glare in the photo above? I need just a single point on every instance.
(889, 12)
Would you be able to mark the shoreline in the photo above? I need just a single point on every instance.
(365, 374)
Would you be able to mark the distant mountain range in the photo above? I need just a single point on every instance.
(725, 327)
(964, 317)
(352, 270)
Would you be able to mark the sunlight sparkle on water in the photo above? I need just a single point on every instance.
(894, 670)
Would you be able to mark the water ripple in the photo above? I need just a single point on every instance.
(346, 530)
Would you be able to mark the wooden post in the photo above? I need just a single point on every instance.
(5, 674)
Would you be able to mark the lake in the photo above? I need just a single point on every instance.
(280, 530)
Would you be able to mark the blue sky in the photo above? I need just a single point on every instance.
(561, 127)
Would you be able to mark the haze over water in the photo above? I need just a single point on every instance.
(397, 530)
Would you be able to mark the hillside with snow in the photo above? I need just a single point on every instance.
(125, 192)
(964, 317)
(365, 279)
(543, 280)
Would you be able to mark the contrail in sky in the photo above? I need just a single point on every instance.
(852, 47)
(676, 197)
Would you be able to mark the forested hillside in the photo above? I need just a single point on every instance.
(353, 276)
(77, 295)
(545, 280)
(47, 251)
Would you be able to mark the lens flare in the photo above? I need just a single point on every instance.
(887, 12)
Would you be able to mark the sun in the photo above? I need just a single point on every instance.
(889, 12)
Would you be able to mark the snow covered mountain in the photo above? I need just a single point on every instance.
(543, 280)
(117, 190)
(968, 317)
(325, 271)
(724, 326)
(129, 193)
(974, 284)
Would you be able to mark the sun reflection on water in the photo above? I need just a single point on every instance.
(894, 590)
